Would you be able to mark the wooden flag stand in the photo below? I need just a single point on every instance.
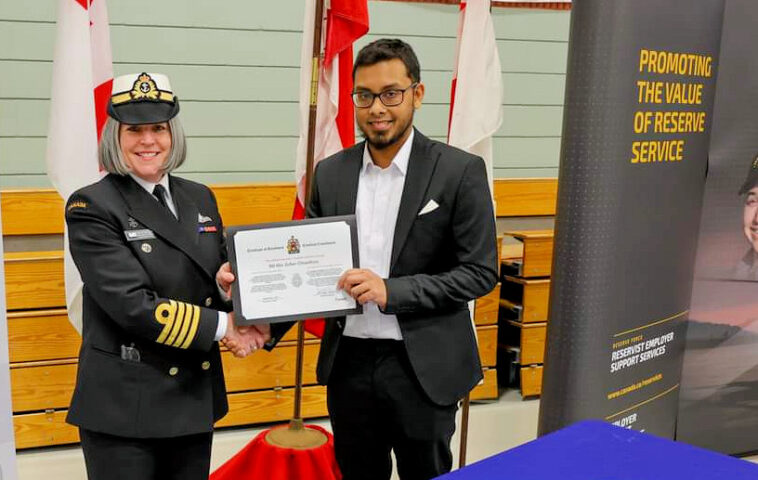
(296, 435)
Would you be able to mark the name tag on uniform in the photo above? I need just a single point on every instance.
(142, 234)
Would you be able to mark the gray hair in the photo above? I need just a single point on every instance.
(112, 160)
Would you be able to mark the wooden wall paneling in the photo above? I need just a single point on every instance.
(487, 338)
(526, 338)
(247, 204)
(43, 429)
(41, 335)
(531, 380)
(46, 385)
(49, 428)
(31, 212)
(537, 259)
(273, 406)
(487, 390)
(486, 307)
(525, 197)
(34, 280)
(272, 369)
(42, 385)
(525, 300)
(40, 211)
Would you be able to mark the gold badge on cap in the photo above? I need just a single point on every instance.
(144, 88)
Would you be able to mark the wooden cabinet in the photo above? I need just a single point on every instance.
(523, 311)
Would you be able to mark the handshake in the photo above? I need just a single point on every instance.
(240, 340)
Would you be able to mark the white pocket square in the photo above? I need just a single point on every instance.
(429, 207)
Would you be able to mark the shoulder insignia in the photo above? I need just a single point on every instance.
(76, 204)
(180, 321)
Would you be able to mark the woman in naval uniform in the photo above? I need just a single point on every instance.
(147, 244)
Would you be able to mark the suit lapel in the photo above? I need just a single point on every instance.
(351, 170)
(420, 169)
(181, 234)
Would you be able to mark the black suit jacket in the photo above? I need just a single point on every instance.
(149, 283)
(440, 260)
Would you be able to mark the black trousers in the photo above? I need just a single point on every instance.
(109, 457)
(376, 405)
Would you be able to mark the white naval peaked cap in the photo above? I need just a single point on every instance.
(140, 98)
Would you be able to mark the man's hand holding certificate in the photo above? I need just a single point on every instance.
(289, 271)
(365, 286)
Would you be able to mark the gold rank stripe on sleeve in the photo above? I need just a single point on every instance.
(193, 327)
(188, 316)
(180, 322)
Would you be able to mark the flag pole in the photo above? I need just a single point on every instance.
(297, 417)
(464, 431)
(296, 435)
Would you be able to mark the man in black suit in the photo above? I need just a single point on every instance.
(427, 246)
(426, 235)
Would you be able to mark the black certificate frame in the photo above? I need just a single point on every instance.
(239, 319)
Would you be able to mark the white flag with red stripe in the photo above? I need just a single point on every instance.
(345, 22)
(81, 85)
(477, 93)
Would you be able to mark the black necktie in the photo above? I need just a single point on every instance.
(160, 193)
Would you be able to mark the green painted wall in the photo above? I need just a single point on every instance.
(235, 66)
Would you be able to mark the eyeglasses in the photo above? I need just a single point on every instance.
(389, 98)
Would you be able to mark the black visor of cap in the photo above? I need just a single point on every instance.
(144, 111)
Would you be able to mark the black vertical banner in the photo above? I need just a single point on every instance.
(719, 395)
(640, 85)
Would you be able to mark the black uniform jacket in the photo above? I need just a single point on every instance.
(150, 290)
(440, 260)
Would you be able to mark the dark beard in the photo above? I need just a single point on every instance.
(381, 144)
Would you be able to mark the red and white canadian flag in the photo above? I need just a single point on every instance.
(345, 21)
(82, 78)
(477, 92)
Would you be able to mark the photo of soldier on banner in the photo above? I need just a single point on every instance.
(719, 389)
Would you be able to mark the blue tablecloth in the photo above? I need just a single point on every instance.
(594, 450)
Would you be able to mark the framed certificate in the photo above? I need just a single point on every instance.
(288, 271)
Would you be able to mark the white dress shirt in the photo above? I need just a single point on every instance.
(376, 208)
(149, 187)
